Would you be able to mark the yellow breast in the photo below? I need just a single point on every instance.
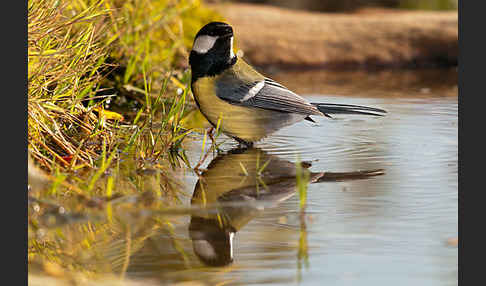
(247, 123)
(237, 121)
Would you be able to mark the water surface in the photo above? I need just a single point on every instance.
(381, 201)
(388, 228)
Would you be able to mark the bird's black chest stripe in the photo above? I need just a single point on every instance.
(202, 66)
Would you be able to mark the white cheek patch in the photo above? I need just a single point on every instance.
(205, 249)
(231, 234)
(232, 54)
(203, 44)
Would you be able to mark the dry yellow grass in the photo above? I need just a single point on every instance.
(73, 50)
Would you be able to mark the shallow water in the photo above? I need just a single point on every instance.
(392, 227)
(386, 229)
(381, 206)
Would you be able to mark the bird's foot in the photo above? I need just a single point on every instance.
(243, 144)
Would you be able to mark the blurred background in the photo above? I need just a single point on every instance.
(350, 5)
(356, 36)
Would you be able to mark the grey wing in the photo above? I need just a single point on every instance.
(266, 94)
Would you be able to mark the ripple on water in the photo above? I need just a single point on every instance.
(407, 124)
(404, 216)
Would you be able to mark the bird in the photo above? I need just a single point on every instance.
(242, 102)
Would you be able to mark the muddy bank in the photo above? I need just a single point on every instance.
(370, 38)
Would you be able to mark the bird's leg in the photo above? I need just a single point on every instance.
(211, 135)
(196, 168)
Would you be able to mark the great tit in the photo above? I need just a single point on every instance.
(248, 105)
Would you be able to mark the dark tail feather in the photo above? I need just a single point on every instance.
(345, 176)
(331, 108)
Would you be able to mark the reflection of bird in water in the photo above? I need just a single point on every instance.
(237, 186)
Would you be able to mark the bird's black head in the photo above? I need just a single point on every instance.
(216, 29)
(212, 51)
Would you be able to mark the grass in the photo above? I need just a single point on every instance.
(302, 177)
(108, 85)
(87, 56)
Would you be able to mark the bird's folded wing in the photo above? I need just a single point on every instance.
(266, 94)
